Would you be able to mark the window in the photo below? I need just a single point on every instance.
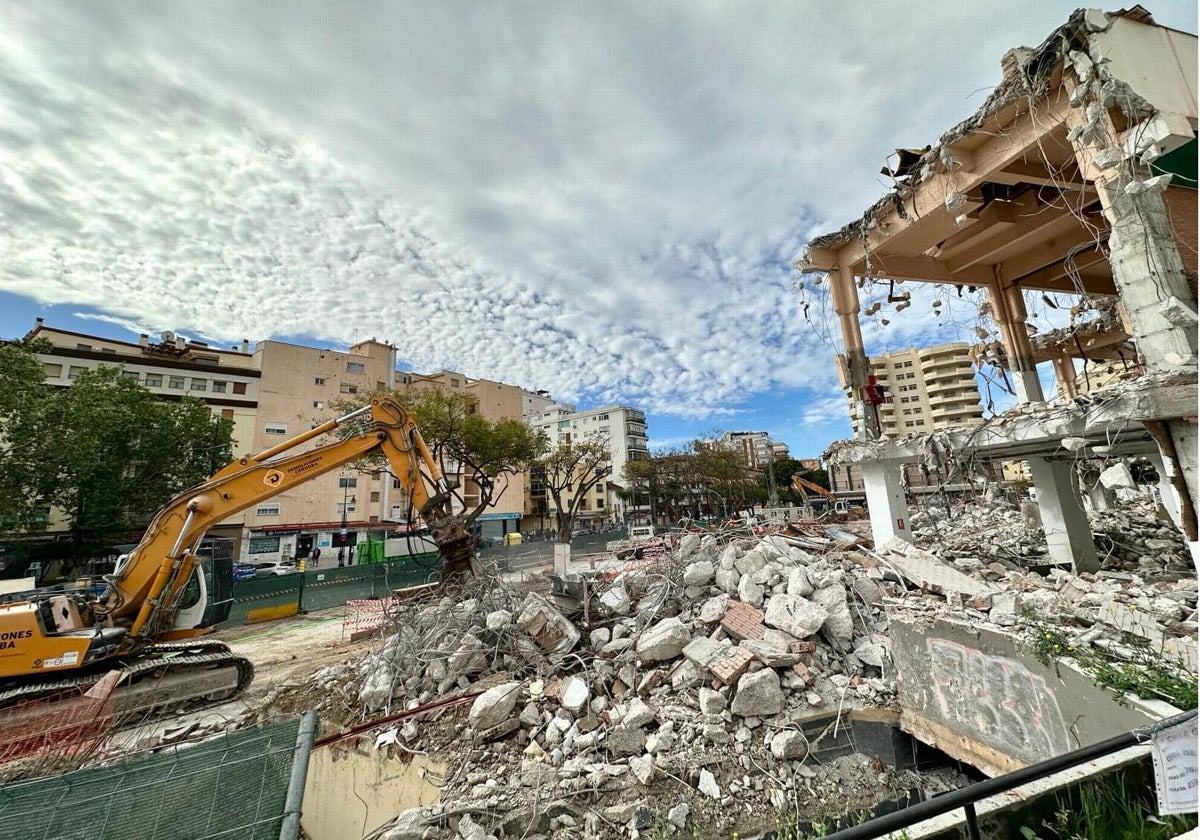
(74, 372)
(347, 507)
(374, 496)
(199, 384)
(276, 429)
(318, 404)
(453, 383)
(219, 386)
(599, 503)
(175, 382)
(153, 380)
(349, 389)
(108, 350)
(263, 545)
(53, 371)
(227, 413)
(268, 510)
(395, 484)
(347, 481)
(239, 387)
(318, 380)
(83, 347)
(355, 367)
(130, 375)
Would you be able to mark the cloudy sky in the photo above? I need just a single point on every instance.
(599, 199)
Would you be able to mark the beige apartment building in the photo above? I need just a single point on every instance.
(228, 381)
(299, 388)
(494, 401)
(928, 390)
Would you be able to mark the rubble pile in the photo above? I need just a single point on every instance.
(1129, 538)
(680, 683)
(1145, 593)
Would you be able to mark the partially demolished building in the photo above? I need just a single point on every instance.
(1077, 175)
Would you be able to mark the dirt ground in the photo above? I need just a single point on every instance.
(283, 651)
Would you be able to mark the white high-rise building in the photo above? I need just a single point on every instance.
(621, 427)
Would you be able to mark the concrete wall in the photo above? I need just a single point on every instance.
(351, 790)
(977, 695)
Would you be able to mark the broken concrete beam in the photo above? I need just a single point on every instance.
(705, 652)
(548, 627)
(770, 655)
(926, 571)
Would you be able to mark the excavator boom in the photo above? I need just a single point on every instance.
(68, 636)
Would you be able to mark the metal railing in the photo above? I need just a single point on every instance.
(966, 797)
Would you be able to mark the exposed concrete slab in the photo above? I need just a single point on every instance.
(977, 695)
(926, 571)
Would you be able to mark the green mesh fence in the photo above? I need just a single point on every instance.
(322, 588)
(231, 787)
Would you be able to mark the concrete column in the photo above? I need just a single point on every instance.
(1166, 493)
(845, 303)
(1009, 312)
(1099, 497)
(885, 501)
(1064, 372)
(1068, 534)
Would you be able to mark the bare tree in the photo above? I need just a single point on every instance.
(573, 469)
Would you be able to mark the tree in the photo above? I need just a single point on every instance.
(109, 454)
(22, 391)
(485, 453)
(573, 469)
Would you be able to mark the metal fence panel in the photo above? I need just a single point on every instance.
(233, 787)
(322, 588)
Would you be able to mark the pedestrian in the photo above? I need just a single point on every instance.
(315, 556)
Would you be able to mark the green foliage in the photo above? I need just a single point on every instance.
(463, 442)
(1147, 674)
(105, 451)
(695, 482)
(1114, 807)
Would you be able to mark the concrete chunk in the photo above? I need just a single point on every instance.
(928, 572)
(494, 706)
(664, 640)
(758, 695)
(794, 615)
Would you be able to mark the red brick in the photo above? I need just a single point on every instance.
(742, 621)
(729, 669)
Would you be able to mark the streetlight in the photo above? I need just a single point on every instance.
(344, 532)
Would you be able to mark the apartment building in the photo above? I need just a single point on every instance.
(623, 428)
(170, 368)
(494, 401)
(299, 386)
(755, 448)
(929, 389)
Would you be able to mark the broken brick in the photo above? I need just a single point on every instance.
(730, 669)
(743, 621)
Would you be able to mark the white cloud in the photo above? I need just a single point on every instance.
(599, 200)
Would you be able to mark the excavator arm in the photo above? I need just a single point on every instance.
(145, 589)
(803, 485)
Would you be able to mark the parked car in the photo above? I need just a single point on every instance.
(278, 567)
(243, 571)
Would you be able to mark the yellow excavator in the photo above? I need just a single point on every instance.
(837, 509)
(158, 602)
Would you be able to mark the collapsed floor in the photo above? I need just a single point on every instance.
(671, 694)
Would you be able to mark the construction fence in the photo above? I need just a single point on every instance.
(235, 786)
(268, 598)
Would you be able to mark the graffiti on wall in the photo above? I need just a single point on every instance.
(998, 698)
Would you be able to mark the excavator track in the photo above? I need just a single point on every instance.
(190, 672)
